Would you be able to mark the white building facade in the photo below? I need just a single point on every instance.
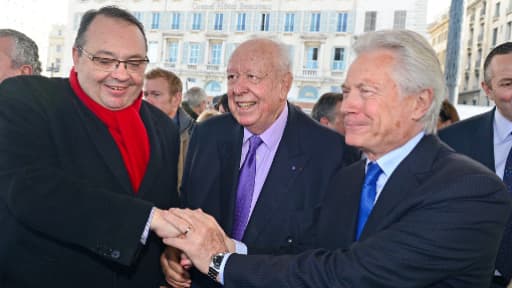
(195, 38)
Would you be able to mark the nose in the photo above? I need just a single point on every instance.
(239, 86)
(120, 72)
(350, 102)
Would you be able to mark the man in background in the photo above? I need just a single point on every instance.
(18, 55)
(487, 138)
(163, 89)
(195, 102)
(327, 111)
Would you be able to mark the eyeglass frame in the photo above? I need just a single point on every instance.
(118, 62)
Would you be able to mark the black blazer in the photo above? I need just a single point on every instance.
(474, 137)
(437, 223)
(285, 215)
(68, 215)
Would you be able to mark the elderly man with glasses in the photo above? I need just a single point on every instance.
(88, 168)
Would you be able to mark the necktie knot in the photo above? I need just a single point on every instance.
(368, 195)
(254, 142)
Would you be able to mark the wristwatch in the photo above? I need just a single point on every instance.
(214, 269)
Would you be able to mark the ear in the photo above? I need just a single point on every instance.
(26, 70)
(422, 103)
(76, 55)
(324, 121)
(488, 90)
(286, 85)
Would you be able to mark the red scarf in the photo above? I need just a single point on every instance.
(127, 129)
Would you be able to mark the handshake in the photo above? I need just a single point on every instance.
(192, 237)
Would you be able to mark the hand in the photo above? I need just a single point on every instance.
(174, 269)
(204, 240)
(167, 229)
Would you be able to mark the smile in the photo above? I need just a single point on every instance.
(245, 104)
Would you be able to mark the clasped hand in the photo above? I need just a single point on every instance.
(193, 237)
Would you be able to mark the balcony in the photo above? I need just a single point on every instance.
(213, 67)
(170, 65)
(309, 74)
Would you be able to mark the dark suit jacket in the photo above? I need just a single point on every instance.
(68, 214)
(284, 218)
(474, 137)
(437, 223)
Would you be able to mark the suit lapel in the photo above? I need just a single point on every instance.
(155, 152)
(104, 143)
(483, 143)
(405, 179)
(287, 164)
(229, 152)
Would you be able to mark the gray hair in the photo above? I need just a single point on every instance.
(194, 96)
(416, 69)
(24, 50)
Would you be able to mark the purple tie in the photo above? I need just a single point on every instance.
(368, 194)
(245, 189)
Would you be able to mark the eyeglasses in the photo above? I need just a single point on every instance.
(110, 64)
(253, 78)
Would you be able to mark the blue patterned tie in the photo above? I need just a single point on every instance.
(245, 189)
(368, 195)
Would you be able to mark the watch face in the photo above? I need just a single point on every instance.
(217, 260)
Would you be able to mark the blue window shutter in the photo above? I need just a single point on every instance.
(350, 22)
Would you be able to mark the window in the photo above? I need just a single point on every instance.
(289, 22)
(312, 58)
(314, 25)
(196, 21)
(399, 20)
(155, 20)
(173, 52)
(193, 56)
(240, 21)
(494, 36)
(219, 19)
(370, 21)
(509, 30)
(497, 9)
(215, 52)
(341, 22)
(265, 19)
(58, 48)
(175, 20)
(338, 61)
(138, 15)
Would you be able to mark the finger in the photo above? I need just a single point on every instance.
(185, 262)
(178, 222)
(181, 243)
(175, 275)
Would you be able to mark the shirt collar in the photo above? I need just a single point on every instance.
(273, 134)
(502, 126)
(392, 159)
